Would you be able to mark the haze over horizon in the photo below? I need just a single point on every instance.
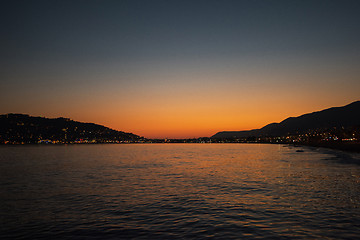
(178, 69)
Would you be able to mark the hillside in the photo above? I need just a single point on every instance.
(346, 116)
(21, 128)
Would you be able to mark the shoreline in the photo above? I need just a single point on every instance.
(346, 147)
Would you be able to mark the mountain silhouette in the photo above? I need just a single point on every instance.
(346, 116)
(22, 128)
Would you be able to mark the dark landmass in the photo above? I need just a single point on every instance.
(339, 117)
(336, 128)
(25, 129)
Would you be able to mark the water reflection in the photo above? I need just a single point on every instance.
(177, 191)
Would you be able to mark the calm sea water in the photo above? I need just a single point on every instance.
(178, 191)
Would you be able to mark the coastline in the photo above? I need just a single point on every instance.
(346, 147)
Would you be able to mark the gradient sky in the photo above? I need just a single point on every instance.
(178, 69)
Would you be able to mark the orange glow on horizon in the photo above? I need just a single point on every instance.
(185, 122)
(193, 105)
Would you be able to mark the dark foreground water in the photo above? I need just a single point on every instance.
(178, 191)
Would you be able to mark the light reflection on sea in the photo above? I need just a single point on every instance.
(191, 191)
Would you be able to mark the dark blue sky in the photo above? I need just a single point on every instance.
(66, 50)
(140, 31)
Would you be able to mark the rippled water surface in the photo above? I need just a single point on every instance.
(178, 191)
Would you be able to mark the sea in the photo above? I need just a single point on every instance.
(178, 191)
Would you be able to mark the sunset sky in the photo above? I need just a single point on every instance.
(178, 69)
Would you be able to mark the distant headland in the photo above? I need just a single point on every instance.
(25, 129)
(337, 127)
